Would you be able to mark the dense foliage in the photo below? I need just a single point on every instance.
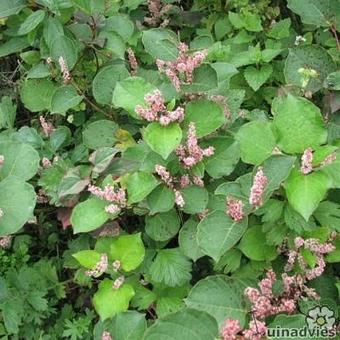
(168, 169)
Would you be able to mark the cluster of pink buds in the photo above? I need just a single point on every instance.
(118, 282)
(191, 153)
(64, 70)
(2, 160)
(257, 330)
(257, 190)
(5, 242)
(169, 180)
(231, 328)
(106, 336)
(100, 267)
(235, 208)
(47, 127)
(306, 161)
(45, 162)
(157, 13)
(157, 111)
(132, 61)
(116, 265)
(180, 71)
(329, 159)
(110, 194)
(317, 248)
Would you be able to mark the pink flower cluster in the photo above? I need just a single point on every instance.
(230, 329)
(116, 265)
(329, 159)
(110, 194)
(45, 162)
(306, 161)
(118, 282)
(157, 112)
(64, 70)
(132, 61)
(235, 208)
(100, 267)
(180, 71)
(2, 160)
(257, 329)
(106, 336)
(47, 127)
(5, 242)
(191, 153)
(317, 248)
(157, 12)
(257, 190)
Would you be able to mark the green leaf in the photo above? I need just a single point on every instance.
(65, 98)
(188, 242)
(308, 57)
(120, 24)
(333, 171)
(254, 247)
(113, 43)
(163, 226)
(257, 141)
(102, 158)
(105, 81)
(304, 192)
(21, 160)
(139, 185)
(188, 324)
(59, 137)
(206, 114)
(314, 12)
(163, 139)
(17, 201)
(89, 215)
(160, 43)
(87, 258)
(328, 215)
(108, 301)
(13, 45)
(217, 233)
(220, 296)
(195, 198)
(99, 134)
(225, 157)
(10, 7)
(64, 47)
(31, 22)
(36, 94)
(332, 81)
(280, 30)
(257, 77)
(130, 92)
(72, 183)
(161, 199)
(52, 28)
(299, 124)
(38, 71)
(129, 250)
(8, 112)
(204, 79)
(168, 305)
(170, 267)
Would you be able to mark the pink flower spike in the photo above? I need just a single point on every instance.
(257, 190)
(132, 61)
(230, 329)
(235, 209)
(106, 336)
(306, 161)
(100, 267)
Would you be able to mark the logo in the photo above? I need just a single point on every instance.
(320, 317)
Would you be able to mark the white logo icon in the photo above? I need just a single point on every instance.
(320, 317)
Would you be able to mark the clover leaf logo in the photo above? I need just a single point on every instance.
(320, 317)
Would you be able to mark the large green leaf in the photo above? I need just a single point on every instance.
(161, 43)
(195, 199)
(89, 215)
(204, 79)
(217, 233)
(87, 258)
(315, 12)
(333, 171)
(129, 250)
(170, 267)
(100, 133)
(139, 185)
(64, 47)
(161, 199)
(206, 114)
(31, 22)
(220, 296)
(298, 123)
(10, 7)
(36, 94)
(163, 139)
(65, 98)
(130, 92)
(163, 226)
(256, 77)
(108, 301)
(253, 245)
(13, 45)
(257, 141)
(105, 81)
(17, 201)
(304, 192)
(308, 57)
(21, 160)
(328, 215)
(188, 324)
(120, 24)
